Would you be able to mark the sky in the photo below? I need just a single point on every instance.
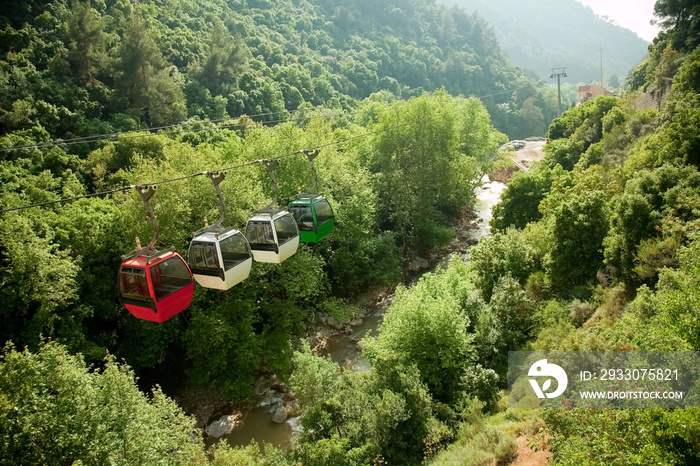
(631, 14)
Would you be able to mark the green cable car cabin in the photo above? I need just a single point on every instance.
(314, 217)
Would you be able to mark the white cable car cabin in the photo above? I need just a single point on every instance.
(219, 258)
(273, 235)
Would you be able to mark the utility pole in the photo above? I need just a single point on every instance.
(559, 73)
(601, 65)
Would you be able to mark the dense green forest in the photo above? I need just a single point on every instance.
(594, 248)
(539, 35)
(76, 68)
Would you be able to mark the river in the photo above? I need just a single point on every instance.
(343, 349)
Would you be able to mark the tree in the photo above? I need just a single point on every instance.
(520, 201)
(384, 414)
(632, 221)
(55, 410)
(153, 89)
(532, 118)
(504, 326)
(38, 283)
(226, 57)
(314, 377)
(421, 176)
(679, 18)
(87, 40)
(497, 256)
(580, 223)
(563, 152)
(426, 327)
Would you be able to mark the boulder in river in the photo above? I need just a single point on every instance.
(223, 426)
(280, 415)
(418, 263)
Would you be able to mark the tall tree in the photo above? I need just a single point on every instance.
(85, 28)
(679, 17)
(673, 13)
(225, 59)
(153, 88)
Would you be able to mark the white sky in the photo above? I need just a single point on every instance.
(631, 14)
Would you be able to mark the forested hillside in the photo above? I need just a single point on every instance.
(539, 35)
(85, 68)
(594, 248)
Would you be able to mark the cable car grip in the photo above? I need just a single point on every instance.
(271, 166)
(216, 178)
(147, 192)
(311, 155)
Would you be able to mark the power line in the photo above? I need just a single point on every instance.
(245, 164)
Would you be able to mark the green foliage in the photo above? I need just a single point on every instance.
(579, 226)
(73, 66)
(678, 293)
(499, 255)
(426, 327)
(563, 152)
(225, 338)
(505, 325)
(632, 436)
(314, 377)
(480, 440)
(39, 283)
(419, 170)
(223, 454)
(384, 414)
(679, 18)
(653, 207)
(583, 123)
(53, 409)
(223, 348)
(631, 200)
(520, 201)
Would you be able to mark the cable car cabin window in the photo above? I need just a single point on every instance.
(169, 276)
(323, 211)
(133, 283)
(303, 216)
(259, 235)
(235, 250)
(286, 228)
(203, 255)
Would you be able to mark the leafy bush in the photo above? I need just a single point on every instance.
(54, 409)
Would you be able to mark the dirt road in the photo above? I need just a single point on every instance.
(532, 152)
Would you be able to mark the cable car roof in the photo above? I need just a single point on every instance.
(267, 215)
(142, 258)
(214, 233)
(304, 198)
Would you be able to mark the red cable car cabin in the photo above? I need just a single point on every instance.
(155, 287)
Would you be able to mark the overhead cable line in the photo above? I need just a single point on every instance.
(190, 130)
(245, 164)
(185, 177)
(139, 132)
